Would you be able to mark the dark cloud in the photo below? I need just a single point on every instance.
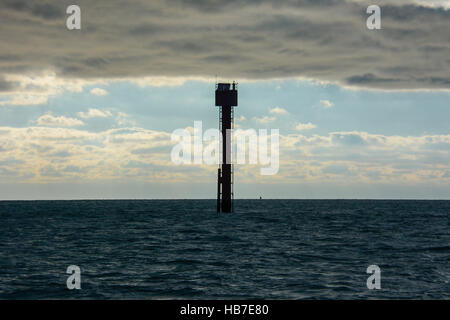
(95, 62)
(18, 5)
(9, 57)
(367, 79)
(253, 39)
(7, 85)
(47, 11)
(41, 9)
(146, 29)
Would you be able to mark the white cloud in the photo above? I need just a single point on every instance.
(99, 92)
(57, 153)
(36, 88)
(52, 121)
(123, 120)
(94, 113)
(25, 99)
(326, 103)
(50, 154)
(165, 81)
(278, 110)
(305, 126)
(264, 119)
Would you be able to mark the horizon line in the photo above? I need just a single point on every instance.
(213, 199)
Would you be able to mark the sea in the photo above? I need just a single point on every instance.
(265, 249)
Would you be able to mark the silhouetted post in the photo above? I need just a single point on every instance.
(226, 99)
(219, 177)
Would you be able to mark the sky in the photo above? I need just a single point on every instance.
(89, 113)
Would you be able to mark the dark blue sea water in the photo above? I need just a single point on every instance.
(272, 249)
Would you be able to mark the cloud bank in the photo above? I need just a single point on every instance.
(257, 39)
(49, 154)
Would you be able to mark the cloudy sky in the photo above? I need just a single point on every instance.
(89, 113)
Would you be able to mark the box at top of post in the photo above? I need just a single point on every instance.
(226, 98)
